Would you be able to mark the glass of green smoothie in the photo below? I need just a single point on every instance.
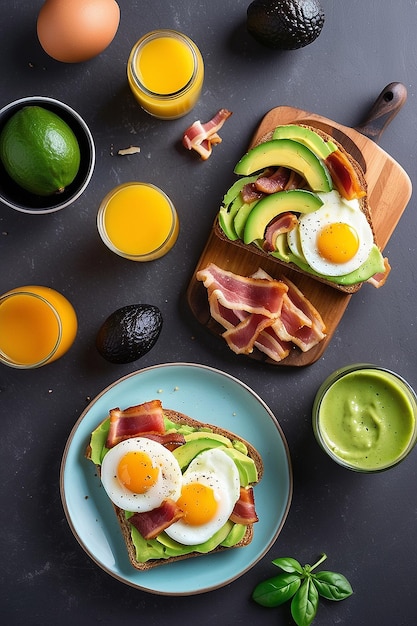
(365, 417)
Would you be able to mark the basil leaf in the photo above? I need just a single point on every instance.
(332, 586)
(305, 603)
(276, 590)
(288, 564)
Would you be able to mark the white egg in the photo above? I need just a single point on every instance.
(210, 490)
(138, 474)
(334, 240)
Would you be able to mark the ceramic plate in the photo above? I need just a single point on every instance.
(205, 394)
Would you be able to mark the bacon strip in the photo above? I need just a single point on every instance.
(151, 523)
(135, 421)
(275, 182)
(249, 326)
(300, 322)
(170, 440)
(201, 137)
(244, 511)
(273, 346)
(250, 294)
(249, 193)
(283, 223)
(242, 337)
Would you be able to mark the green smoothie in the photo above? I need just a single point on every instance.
(367, 419)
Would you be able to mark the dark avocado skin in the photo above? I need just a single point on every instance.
(285, 24)
(129, 333)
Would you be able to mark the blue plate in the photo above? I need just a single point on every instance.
(205, 394)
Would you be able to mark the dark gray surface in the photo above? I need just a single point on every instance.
(366, 524)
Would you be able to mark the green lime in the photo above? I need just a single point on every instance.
(39, 151)
(285, 24)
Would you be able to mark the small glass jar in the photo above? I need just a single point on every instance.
(165, 72)
(138, 221)
(365, 418)
(37, 326)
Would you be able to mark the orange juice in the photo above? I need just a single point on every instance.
(138, 221)
(37, 326)
(165, 73)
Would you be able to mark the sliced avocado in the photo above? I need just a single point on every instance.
(185, 453)
(241, 217)
(146, 548)
(246, 466)
(171, 426)
(281, 248)
(240, 445)
(307, 137)
(227, 216)
(236, 534)
(98, 442)
(216, 539)
(290, 154)
(373, 265)
(204, 435)
(173, 548)
(294, 200)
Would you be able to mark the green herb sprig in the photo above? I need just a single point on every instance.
(303, 587)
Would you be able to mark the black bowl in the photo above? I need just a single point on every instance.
(18, 198)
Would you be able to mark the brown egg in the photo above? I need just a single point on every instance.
(77, 30)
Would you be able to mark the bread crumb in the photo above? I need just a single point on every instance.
(130, 150)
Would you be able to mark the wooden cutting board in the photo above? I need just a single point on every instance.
(389, 190)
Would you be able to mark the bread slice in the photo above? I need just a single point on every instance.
(363, 202)
(125, 526)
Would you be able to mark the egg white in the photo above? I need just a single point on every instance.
(215, 469)
(168, 484)
(302, 240)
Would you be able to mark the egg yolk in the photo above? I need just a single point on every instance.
(136, 472)
(198, 504)
(338, 242)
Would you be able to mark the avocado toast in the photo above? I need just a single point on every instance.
(191, 443)
(300, 172)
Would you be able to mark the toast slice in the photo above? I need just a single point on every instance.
(363, 203)
(140, 551)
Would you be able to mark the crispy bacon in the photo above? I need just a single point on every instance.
(201, 137)
(344, 176)
(135, 421)
(170, 440)
(228, 318)
(241, 338)
(296, 323)
(244, 511)
(250, 294)
(151, 523)
(301, 322)
(273, 346)
(249, 193)
(283, 223)
(275, 182)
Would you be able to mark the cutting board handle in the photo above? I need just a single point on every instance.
(385, 108)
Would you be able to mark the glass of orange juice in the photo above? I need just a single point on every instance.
(165, 71)
(138, 221)
(37, 326)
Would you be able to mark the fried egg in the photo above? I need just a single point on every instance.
(138, 474)
(334, 240)
(210, 490)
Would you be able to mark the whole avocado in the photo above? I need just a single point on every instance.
(129, 333)
(285, 24)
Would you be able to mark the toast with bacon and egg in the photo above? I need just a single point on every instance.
(302, 200)
(180, 488)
